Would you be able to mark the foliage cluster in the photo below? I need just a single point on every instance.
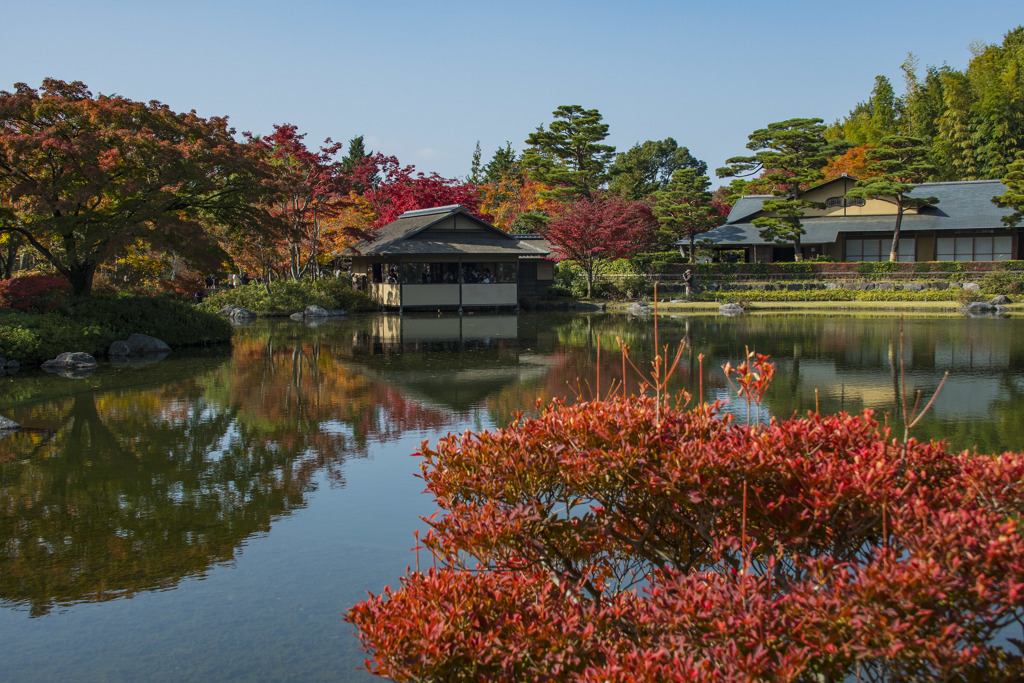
(633, 538)
(39, 293)
(290, 296)
(91, 324)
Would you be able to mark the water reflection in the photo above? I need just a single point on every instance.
(135, 478)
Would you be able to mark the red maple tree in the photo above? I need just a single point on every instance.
(593, 231)
(402, 188)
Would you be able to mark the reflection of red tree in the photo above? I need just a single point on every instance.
(281, 387)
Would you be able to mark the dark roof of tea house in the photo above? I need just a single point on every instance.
(421, 232)
(962, 206)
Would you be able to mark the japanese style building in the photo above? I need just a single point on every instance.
(446, 258)
(964, 225)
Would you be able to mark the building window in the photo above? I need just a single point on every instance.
(977, 248)
(877, 249)
(833, 202)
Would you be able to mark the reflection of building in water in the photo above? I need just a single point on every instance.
(451, 361)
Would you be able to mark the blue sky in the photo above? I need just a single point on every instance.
(426, 80)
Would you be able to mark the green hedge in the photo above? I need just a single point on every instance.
(755, 295)
(91, 324)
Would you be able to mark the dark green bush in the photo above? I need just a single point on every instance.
(91, 324)
(998, 282)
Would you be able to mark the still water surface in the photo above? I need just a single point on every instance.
(211, 516)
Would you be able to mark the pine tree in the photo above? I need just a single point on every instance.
(569, 155)
(685, 208)
(791, 155)
(896, 164)
(475, 176)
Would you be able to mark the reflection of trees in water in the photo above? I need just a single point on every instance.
(852, 362)
(138, 488)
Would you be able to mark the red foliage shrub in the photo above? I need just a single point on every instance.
(628, 539)
(41, 293)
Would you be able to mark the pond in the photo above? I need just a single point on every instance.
(212, 515)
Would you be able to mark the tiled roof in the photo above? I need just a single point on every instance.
(963, 205)
(407, 236)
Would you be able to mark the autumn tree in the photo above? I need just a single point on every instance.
(790, 155)
(851, 163)
(1013, 198)
(310, 196)
(593, 231)
(402, 188)
(515, 204)
(88, 175)
(646, 168)
(896, 165)
(569, 155)
(685, 208)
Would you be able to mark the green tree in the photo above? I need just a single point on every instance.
(503, 165)
(870, 121)
(791, 155)
(685, 208)
(648, 167)
(956, 148)
(1013, 198)
(924, 102)
(896, 165)
(569, 155)
(475, 176)
(359, 157)
(87, 176)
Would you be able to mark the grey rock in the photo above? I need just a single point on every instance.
(70, 361)
(795, 287)
(12, 366)
(143, 344)
(315, 312)
(940, 285)
(74, 365)
(297, 316)
(119, 349)
(638, 309)
(227, 310)
(831, 285)
(336, 313)
(585, 306)
(8, 425)
(972, 287)
(978, 309)
(242, 313)
(885, 286)
(1001, 300)
(730, 310)
(912, 286)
